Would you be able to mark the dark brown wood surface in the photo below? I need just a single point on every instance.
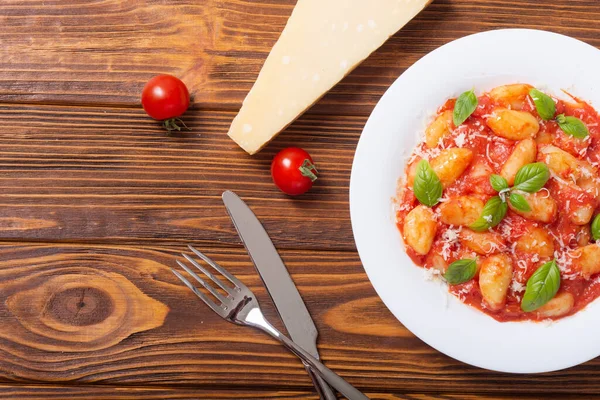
(97, 201)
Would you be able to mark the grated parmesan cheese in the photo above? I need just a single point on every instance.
(517, 286)
(487, 154)
(506, 230)
(449, 237)
(528, 98)
(460, 139)
(425, 154)
(431, 274)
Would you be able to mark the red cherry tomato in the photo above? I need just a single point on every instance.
(293, 171)
(165, 98)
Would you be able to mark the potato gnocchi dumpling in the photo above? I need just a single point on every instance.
(542, 208)
(513, 125)
(524, 153)
(450, 164)
(438, 129)
(494, 279)
(461, 210)
(564, 164)
(535, 240)
(482, 242)
(513, 96)
(509, 194)
(587, 260)
(419, 229)
(560, 305)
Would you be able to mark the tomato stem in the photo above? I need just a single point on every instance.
(171, 124)
(309, 170)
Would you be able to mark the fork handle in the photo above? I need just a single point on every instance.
(323, 389)
(331, 377)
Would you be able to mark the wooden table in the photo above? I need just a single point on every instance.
(97, 201)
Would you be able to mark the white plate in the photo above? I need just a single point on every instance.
(481, 61)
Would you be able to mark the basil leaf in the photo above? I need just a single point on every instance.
(519, 202)
(543, 104)
(493, 212)
(498, 182)
(532, 177)
(596, 227)
(541, 287)
(464, 107)
(461, 271)
(572, 126)
(427, 186)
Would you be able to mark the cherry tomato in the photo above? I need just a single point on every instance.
(293, 171)
(165, 98)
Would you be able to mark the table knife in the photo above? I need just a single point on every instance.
(279, 284)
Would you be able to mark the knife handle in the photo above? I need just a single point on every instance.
(323, 389)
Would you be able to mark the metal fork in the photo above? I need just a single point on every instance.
(241, 307)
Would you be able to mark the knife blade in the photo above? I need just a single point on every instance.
(276, 278)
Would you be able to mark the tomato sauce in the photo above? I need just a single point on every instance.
(490, 153)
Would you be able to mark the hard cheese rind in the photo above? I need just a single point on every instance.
(321, 43)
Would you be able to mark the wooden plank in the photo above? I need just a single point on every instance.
(44, 392)
(92, 52)
(47, 392)
(108, 314)
(76, 314)
(113, 175)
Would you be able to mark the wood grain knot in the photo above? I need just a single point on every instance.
(81, 307)
(84, 311)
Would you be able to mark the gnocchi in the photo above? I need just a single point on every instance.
(513, 96)
(438, 129)
(587, 260)
(543, 208)
(462, 210)
(450, 164)
(513, 125)
(560, 305)
(482, 242)
(564, 164)
(524, 153)
(577, 204)
(590, 185)
(494, 279)
(419, 229)
(411, 172)
(536, 241)
(581, 214)
(474, 210)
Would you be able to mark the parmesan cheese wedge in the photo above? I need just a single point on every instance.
(322, 42)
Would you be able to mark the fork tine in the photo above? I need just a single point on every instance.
(207, 273)
(217, 267)
(202, 296)
(202, 282)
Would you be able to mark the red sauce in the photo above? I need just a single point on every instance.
(490, 152)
